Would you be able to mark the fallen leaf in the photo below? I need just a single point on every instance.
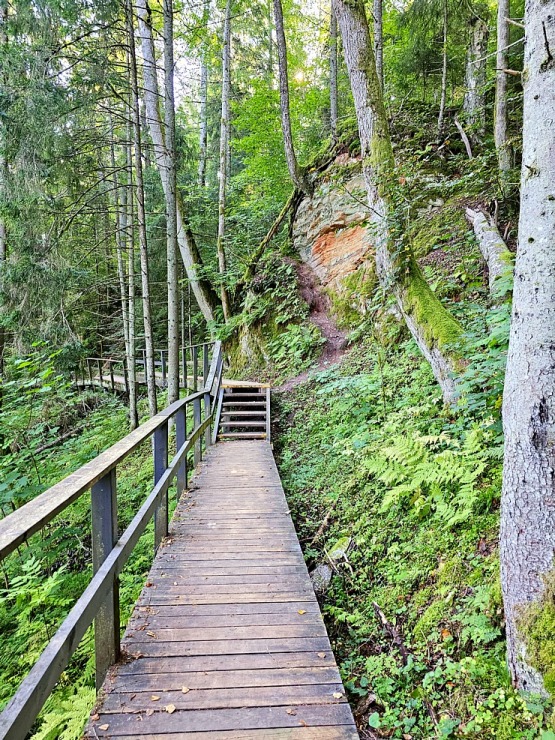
(103, 727)
(170, 709)
(149, 712)
(95, 717)
(302, 611)
(337, 695)
(321, 655)
(155, 698)
(150, 633)
(303, 723)
(291, 711)
(185, 690)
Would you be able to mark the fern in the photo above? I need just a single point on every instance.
(64, 719)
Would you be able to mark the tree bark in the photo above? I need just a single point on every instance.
(171, 208)
(494, 250)
(206, 298)
(131, 366)
(224, 155)
(378, 38)
(297, 176)
(474, 104)
(203, 135)
(431, 326)
(501, 115)
(443, 72)
(333, 77)
(527, 537)
(141, 218)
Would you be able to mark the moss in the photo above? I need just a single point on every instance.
(438, 325)
(537, 628)
(349, 300)
(438, 228)
(427, 627)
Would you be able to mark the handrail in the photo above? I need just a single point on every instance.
(99, 602)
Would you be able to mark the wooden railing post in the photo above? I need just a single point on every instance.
(196, 423)
(104, 514)
(112, 375)
(195, 368)
(205, 364)
(180, 438)
(207, 414)
(163, 361)
(160, 466)
(99, 362)
(184, 362)
(144, 365)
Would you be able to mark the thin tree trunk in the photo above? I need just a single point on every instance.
(333, 76)
(203, 136)
(206, 298)
(141, 219)
(378, 38)
(224, 152)
(297, 176)
(270, 45)
(171, 208)
(443, 73)
(3, 187)
(501, 63)
(474, 104)
(432, 327)
(527, 537)
(131, 366)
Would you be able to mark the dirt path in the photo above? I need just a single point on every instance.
(320, 316)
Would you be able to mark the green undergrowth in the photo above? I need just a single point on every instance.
(369, 445)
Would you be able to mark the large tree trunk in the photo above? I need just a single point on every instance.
(443, 72)
(297, 176)
(333, 76)
(527, 538)
(501, 115)
(141, 219)
(378, 38)
(171, 209)
(203, 135)
(206, 298)
(432, 327)
(476, 77)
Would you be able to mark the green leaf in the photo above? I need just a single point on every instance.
(374, 720)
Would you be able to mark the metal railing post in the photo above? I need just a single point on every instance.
(160, 466)
(104, 516)
(196, 423)
(180, 438)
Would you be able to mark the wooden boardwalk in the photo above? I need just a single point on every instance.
(227, 638)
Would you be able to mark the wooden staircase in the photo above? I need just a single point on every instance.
(244, 412)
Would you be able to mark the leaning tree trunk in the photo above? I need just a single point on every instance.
(443, 73)
(432, 327)
(203, 134)
(297, 176)
(171, 209)
(224, 155)
(527, 539)
(378, 38)
(476, 77)
(333, 77)
(141, 218)
(206, 298)
(501, 114)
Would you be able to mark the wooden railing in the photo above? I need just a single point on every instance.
(100, 600)
(194, 365)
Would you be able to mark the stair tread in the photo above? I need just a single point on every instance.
(261, 424)
(242, 435)
(244, 413)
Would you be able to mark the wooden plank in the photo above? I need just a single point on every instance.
(290, 733)
(194, 634)
(156, 648)
(214, 610)
(216, 720)
(191, 580)
(156, 622)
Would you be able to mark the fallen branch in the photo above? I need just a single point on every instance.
(58, 440)
(464, 137)
(322, 528)
(494, 250)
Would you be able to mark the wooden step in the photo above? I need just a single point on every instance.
(242, 435)
(244, 403)
(261, 424)
(227, 396)
(239, 412)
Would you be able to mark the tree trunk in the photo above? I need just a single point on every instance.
(270, 45)
(431, 326)
(501, 115)
(203, 136)
(171, 209)
(141, 219)
(3, 188)
(494, 250)
(474, 104)
(443, 73)
(206, 298)
(297, 176)
(333, 77)
(527, 538)
(378, 38)
(224, 152)
(131, 366)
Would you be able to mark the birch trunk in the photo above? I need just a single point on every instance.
(204, 294)
(474, 104)
(527, 538)
(297, 176)
(203, 135)
(224, 156)
(501, 63)
(171, 208)
(443, 73)
(494, 250)
(141, 219)
(333, 76)
(431, 326)
(378, 38)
